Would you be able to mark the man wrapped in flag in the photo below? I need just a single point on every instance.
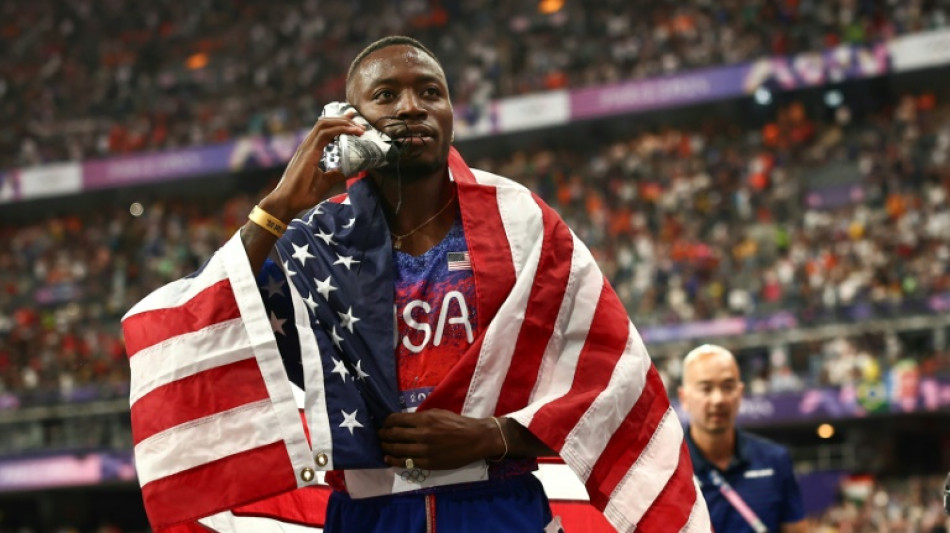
(437, 328)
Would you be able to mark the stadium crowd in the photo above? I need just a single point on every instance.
(689, 225)
(81, 79)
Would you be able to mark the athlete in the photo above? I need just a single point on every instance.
(448, 330)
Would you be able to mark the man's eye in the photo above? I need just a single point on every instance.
(384, 94)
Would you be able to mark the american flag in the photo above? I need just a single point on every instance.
(459, 261)
(215, 419)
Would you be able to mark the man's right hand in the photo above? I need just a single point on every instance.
(302, 186)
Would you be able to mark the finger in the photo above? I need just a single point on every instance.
(400, 462)
(311, 149)
(325, 129)
(325, 134)
(405, 420)
(399, 434)
(416, 451)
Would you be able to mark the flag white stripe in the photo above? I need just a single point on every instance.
(521, 216)
(643, 483)
(556, 373)
(285, 419)
(180, 291)
(315, 398)
(698, 516)
(186, 355)
(226, 522)
(588, 439)
(560, 482)
(199, 441)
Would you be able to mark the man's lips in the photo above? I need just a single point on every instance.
(412, 140)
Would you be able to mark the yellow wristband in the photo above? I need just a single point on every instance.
(267, 221)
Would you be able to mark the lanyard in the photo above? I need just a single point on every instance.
(740, 505)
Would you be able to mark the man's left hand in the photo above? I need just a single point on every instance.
(437, 439)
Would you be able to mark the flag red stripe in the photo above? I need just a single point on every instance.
(494, 275)
(450, 392)
(197, 396)
(305, 506)
(670, 510)
(602, 349)
(189, 527)
(547, 292)
(210, 306)
(628, 442)
(213, 487)
(488, 249)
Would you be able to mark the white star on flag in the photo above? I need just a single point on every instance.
(311, 303)
(277, 324)
(290, 273)
(337, 339)
(324, 288)
(359, 371)
(345, 260)
(316, 211)
(339, 368)
(349, 420)
(347, 319)
(301, 253)
(349, 224)
(327, 238)
(274, 287)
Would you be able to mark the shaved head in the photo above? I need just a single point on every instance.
(703, 352)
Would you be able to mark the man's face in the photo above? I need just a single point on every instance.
(711, 393)
(402, 91)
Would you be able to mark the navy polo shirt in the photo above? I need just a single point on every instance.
(761, 473)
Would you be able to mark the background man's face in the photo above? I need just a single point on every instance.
(402, 91)
(711, 393)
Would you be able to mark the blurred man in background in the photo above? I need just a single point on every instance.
(747, 481)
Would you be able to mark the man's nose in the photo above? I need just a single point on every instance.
(716, 395)
(410, 106)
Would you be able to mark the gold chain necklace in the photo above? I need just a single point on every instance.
(397, 239)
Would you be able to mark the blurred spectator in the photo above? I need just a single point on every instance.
(912, 504)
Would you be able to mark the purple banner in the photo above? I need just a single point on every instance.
(65, 470)
(774, 73)
(835, 196)
(902, 392)
(681, 89)
(161, 166)
(722, 327)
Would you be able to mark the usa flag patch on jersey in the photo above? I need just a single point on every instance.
(458, 261)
